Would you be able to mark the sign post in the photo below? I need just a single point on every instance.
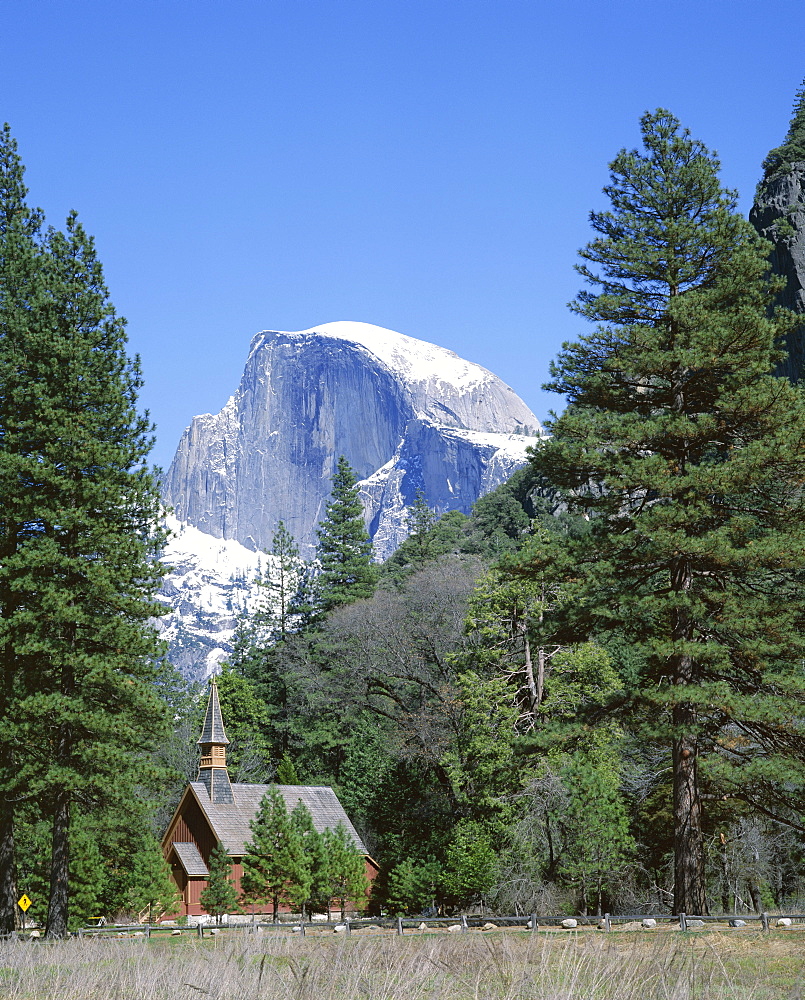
(23, 902)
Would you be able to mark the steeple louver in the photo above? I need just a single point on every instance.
(212, 770)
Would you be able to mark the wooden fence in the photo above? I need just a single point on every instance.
(460, 924)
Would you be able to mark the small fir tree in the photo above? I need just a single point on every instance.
(345, 868)
(344, 549)
(275, 866)
(220, 896)
(282, 582)
(314, 847)
(419, 520)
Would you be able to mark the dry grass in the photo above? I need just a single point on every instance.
(499, 966)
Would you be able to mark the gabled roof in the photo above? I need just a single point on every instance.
(190, 859)
(213, 729)
(230, 823)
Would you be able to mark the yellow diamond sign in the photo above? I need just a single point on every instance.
(23, 902)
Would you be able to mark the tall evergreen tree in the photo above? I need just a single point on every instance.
(688, 458)
(79, 540)
(344, 549)
(20, 234)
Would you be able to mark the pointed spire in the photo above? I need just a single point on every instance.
(213, 730)
(212, 770)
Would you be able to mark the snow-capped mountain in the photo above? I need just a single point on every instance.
(406, 414)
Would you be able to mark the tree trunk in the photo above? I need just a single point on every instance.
(754, 892)
(689, 892)
(725, 874)
(8, 871)
(9, 911)
(533, 693)
(60, 869)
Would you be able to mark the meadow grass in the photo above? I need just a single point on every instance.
(495, 966)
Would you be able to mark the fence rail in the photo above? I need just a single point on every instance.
(462, 924)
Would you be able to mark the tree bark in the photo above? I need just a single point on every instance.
(58, 905)
(8, 870)
(689, 892)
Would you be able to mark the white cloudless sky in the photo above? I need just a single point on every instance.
(425, 165)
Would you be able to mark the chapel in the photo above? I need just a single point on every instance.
(214, 809)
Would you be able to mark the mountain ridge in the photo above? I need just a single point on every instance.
(373, 395)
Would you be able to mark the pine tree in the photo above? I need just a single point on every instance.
(281, 583)
(792, 150)
(345, 869)
(687, 456)
(419, 521)
(79, 568)
(344, 549)
(220, 896)
(20, 235)
(275, 866)
(314, 847)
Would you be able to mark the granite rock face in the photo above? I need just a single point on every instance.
(406, 414)
(778, 214)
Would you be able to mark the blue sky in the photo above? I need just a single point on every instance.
(426, 166)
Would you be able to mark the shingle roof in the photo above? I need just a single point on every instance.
(190, 859)
(230, 823)
(213, 730)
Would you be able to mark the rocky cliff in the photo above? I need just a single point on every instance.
(778, 214)
(406, 414)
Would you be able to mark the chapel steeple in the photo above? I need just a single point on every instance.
(212, 772)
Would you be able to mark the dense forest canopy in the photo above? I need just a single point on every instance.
(585, 696)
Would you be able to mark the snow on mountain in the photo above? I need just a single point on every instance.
(349, 389)
(212, 580)
(413, 361)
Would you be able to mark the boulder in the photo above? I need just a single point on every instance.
(569, 923)
(737, 923)
(784, 922)
(648, 922)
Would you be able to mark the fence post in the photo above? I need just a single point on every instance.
(533, 923)
(607, 924)
(302, 928)
(200, 930)
(349, 928)
(399, 925)
(764, 917)
(463, 924)
(148, 932)
(683, 923)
